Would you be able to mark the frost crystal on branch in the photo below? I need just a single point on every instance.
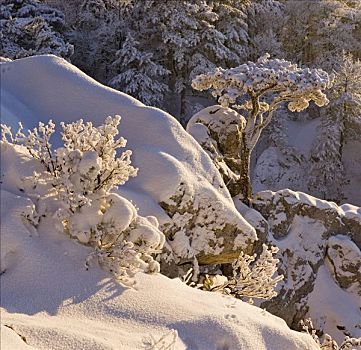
(254, 278)
(75, 189)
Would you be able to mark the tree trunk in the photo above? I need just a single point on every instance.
(244, 174)
(183, 106)
(243, 186)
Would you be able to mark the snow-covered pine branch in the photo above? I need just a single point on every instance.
(30, 27)
(258, 89)
(139, 74)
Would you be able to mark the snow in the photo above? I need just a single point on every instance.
(75, 95)
(49, 299)
(304, 241)
(164, 152)
(46, 288)
(301, 134)
(251, 215)
(351, 211)
(341, 306)
(274, 170)
(344, 254)
(293, 197)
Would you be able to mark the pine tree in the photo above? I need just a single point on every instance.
(29, 27)
(340, 122)
(259, 89)
(180, 35)
(346, 94)
(96, 35)
(232, 23)
(327, 171)
(265, 19)
(142, 76)
(320, 30)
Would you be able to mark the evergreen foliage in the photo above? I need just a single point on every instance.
(29, 27)
(340, 122)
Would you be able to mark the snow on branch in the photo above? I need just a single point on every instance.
(74, 189)
(259, 88)
(252, 277)
(292, 84)
(255, 278)
(328, 343)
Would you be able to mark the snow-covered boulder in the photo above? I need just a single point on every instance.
(219, 130)
(320, 258)
(176, 182)
(282, 206)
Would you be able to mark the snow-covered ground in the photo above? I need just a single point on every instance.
(49, 300)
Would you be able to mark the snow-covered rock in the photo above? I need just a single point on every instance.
(219, 130)
(320, 258)
(171, 163)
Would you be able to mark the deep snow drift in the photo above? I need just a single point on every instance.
(49, 300)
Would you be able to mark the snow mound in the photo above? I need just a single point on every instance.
(170, 161)
(50, 301)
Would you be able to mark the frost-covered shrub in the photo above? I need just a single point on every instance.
(254, 278)
(75, 186)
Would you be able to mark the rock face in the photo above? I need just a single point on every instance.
(203, 226)
(320, 258)
(345, 263)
